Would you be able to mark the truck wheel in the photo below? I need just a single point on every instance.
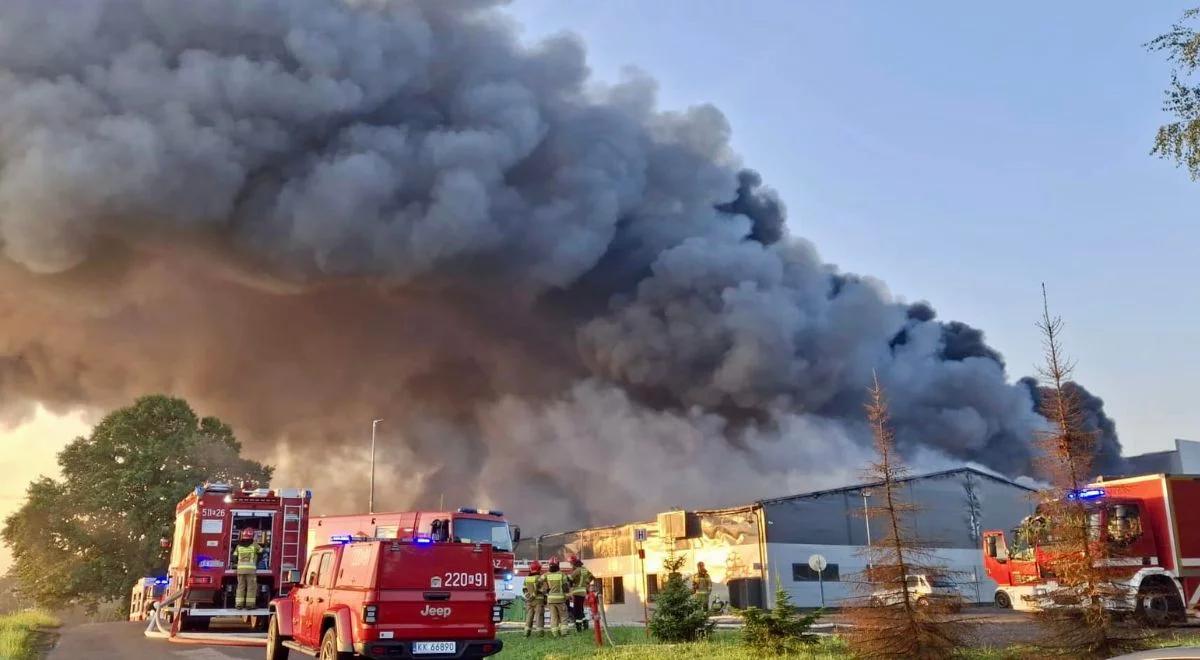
(1003, 601)
(1158, 605)
(329, 647)
(275, 648)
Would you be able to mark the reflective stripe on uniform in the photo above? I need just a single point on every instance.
(556, 588)
(583, 577)
(247, 557)
(533, 587)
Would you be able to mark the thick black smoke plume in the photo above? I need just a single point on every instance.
(306, 214)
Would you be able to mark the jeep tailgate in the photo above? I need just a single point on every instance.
(435, 591)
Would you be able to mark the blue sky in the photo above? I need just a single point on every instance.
(963, 153)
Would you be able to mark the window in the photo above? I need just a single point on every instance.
(325, 573)
(1124, 524)
(614, 590)
(474, 530)
(310, 570)
(996, 548)
(387, 531)
(805, 573)
(651, 587)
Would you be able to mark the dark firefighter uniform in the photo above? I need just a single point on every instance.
(581, 579)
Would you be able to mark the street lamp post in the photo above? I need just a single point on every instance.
(371, 497)
(867, 522)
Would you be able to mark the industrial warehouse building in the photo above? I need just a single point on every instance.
(747, 547)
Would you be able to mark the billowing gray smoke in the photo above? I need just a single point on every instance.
(305, 214)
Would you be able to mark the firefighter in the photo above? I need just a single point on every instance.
(535, 599)
(701, 585)
(581, 579)
(557, 588)
(247, 553)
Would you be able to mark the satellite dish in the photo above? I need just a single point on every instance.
(817, 563)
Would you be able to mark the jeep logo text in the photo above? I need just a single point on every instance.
(439, 612)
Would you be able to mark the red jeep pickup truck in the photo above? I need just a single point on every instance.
(380, 598)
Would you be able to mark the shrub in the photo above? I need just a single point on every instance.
(677, 616)
(779, 631)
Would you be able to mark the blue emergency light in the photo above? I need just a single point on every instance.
(1086, 494)
(341, 538)
(423, 540)
(161, 581)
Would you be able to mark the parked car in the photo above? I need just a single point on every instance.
(923, 590)
(389, 599)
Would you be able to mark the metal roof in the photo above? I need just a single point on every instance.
(877, 484)
(812, 494)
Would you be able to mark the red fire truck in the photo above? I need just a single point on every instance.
(461, 526)
(1152, 525)
(146, 592)
(208, 524)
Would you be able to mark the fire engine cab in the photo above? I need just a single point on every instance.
(208, 524)
(146, 592)
(466, 525)
(1151, 524)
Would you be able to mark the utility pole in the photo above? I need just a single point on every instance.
(867, 522)
(371, 497)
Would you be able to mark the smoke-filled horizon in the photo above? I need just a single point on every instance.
(566, 302)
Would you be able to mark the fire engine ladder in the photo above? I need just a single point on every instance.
(290, 553)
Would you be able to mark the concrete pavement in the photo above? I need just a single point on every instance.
(125, 641)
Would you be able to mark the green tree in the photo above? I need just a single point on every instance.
(678, 616)
(1179, 140)
(83, 539)
(781, 630)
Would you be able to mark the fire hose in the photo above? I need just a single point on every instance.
(156, 610)
(159, 630)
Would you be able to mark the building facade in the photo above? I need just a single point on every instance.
(749, 549)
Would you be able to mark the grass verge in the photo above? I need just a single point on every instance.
(21, 633)
(632, 643)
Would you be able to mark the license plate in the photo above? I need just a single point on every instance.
(433, 647)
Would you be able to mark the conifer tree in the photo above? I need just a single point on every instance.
(677, 616)
(1077, 612)
(780, 630)
(890, 618)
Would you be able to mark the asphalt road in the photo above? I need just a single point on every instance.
(125, 641)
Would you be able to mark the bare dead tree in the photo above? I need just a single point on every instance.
(892, 615)
(1079, 610)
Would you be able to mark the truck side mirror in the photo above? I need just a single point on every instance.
(291, 575)
(516, 533)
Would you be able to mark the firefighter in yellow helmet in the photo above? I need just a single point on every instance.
(247, 553)
(534, 591)
(701, 585)
(557, 588)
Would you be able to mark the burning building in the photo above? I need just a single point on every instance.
(748, 549)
